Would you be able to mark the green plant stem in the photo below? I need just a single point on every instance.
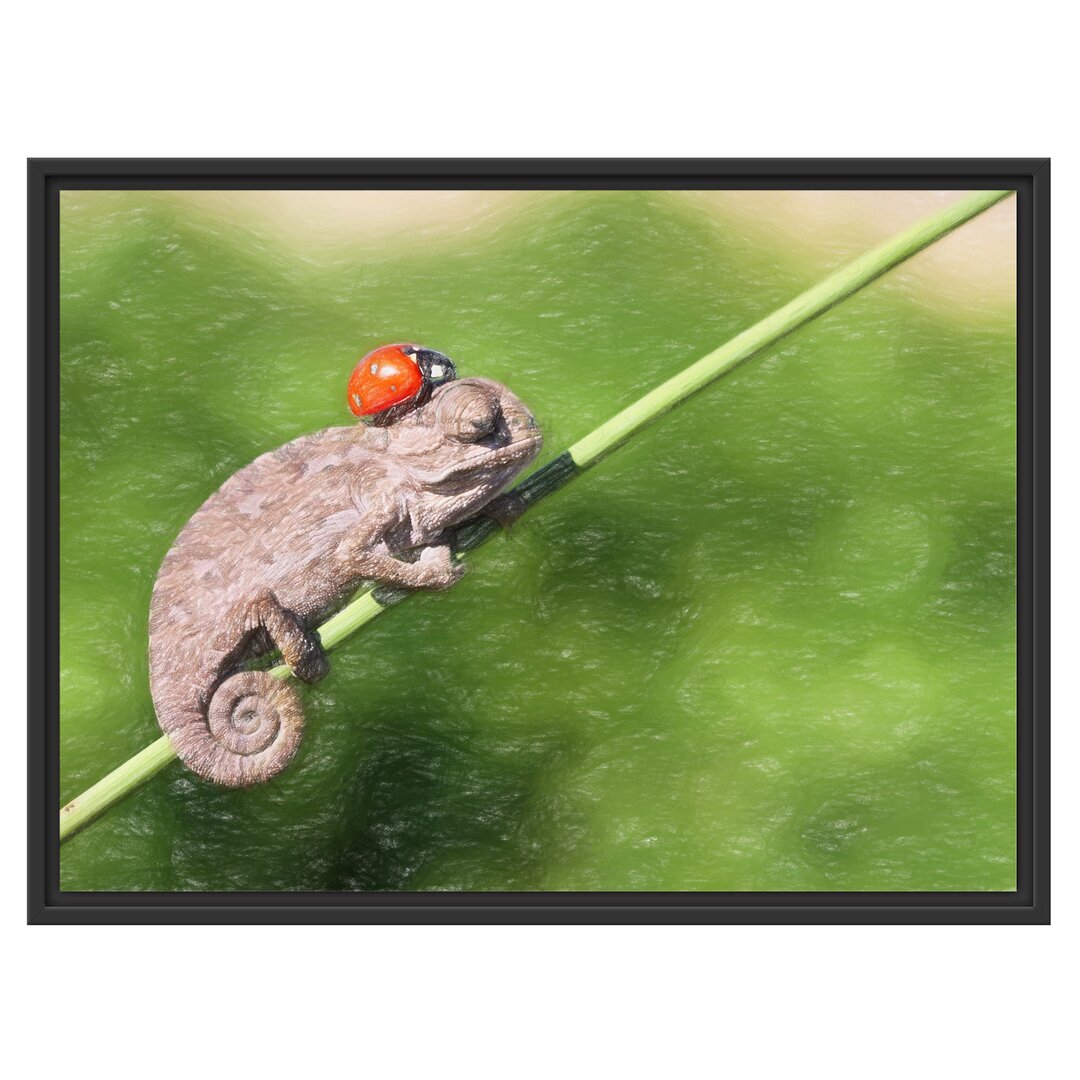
(585, 453)
(112, 788)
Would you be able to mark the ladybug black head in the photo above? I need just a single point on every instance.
(434, 366)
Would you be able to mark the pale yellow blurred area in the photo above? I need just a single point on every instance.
(321, 219)
(972, 271)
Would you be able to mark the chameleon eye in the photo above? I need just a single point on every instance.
(467, 412)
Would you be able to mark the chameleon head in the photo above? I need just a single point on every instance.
(474, 434)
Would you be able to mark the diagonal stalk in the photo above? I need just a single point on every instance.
(584, 454)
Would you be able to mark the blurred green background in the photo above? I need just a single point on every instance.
(768, 646)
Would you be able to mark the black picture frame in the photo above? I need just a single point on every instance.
(1029, 904)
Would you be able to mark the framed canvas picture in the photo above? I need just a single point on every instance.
(539, 541)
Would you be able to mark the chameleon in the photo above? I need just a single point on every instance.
(286, 540)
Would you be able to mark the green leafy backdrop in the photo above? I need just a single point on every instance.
(770, 645)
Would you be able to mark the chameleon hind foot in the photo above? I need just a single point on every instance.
(301, 649)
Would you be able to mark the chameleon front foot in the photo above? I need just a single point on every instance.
(505, 509)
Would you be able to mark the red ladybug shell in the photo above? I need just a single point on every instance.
(386, 377)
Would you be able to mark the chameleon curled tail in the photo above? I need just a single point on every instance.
(245, 727)
(250, 731)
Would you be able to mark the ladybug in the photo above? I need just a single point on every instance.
(393, 379)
